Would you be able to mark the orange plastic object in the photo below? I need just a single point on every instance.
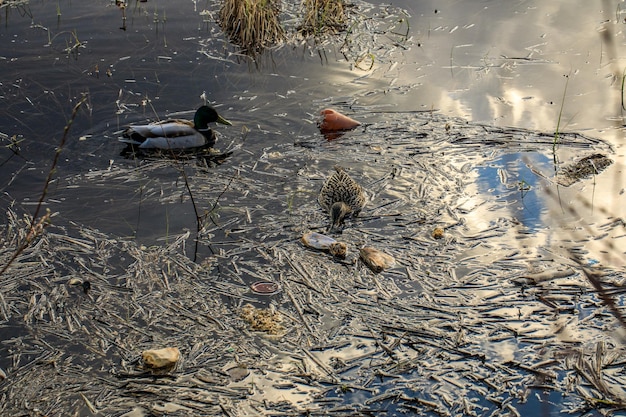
(333, 121)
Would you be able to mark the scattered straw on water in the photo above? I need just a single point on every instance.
(438, 332)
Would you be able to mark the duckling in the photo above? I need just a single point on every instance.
(341, 196)
(176, 133)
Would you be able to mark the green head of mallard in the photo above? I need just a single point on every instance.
(205, 115)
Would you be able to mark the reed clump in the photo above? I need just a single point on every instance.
(323, 16)
(252, 24)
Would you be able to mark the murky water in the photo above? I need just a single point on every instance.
(513, 70)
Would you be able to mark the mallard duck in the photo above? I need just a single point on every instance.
(176, 133)
(341, 196)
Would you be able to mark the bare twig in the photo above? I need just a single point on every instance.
(38, 224)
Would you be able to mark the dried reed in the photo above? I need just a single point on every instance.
(322, 16)
(252, 24)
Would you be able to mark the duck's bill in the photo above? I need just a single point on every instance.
(223, 121)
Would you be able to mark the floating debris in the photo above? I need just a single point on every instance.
(376, 260)
(326, 243)
(332, 124)
(584, 168)
(161, 358)
(438, 233)
(265, 287)
(263, 319)
(338, 249)
(239, 372)
(75, 281)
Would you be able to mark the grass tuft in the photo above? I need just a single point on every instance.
(252, 24)
(323, 16)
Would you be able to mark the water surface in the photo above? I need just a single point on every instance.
(458, 112)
